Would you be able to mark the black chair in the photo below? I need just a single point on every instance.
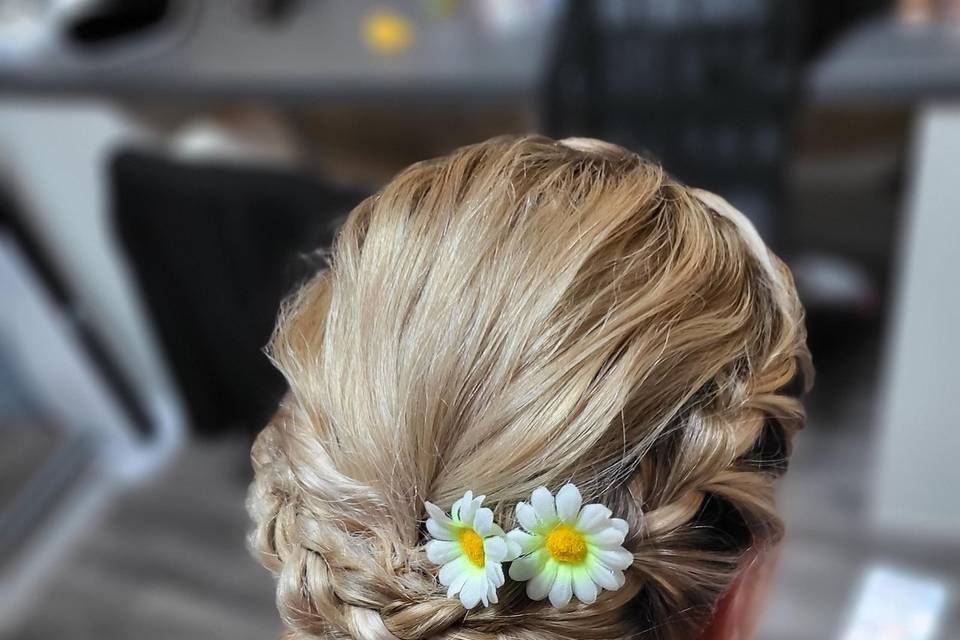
(705, 87)
(215, 250)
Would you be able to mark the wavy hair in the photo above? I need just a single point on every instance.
(527, 312)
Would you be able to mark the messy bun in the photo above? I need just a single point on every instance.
(527, 312)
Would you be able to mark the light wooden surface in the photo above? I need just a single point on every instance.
(168, 561)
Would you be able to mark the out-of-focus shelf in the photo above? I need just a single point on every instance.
(215, 50)
(887, 62)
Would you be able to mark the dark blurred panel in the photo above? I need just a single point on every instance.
(215, 250)
(830, 18)
(708, 89)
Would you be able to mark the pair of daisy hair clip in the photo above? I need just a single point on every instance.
(562, 549)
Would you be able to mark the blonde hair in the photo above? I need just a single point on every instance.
(525, 312)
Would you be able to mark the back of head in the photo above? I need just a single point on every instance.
(522, 313)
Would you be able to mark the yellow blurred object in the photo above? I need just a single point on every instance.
(386, 32)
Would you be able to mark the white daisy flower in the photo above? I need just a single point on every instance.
(471, 548)
(568, 551)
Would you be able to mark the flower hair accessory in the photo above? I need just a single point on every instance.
(471, 547)
(568, 550)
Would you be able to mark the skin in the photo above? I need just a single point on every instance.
(739, 611)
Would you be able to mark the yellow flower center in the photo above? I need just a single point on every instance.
(472, 545)
(565, 544)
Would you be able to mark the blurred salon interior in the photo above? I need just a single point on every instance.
(171, 169)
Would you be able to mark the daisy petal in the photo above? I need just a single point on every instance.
(618, 558)
(584, 587)
(482, 521)
(491, 593)
(455, 509)
(527, 516)
(544, 505)
(469, 508)
(568, 503)
(496, 530)
(437, 513)
(457, 585)
(525, 541)
(526, 567)
(474, 589)
(439, 531)
(495, 549)
(620, 525)
(513, 551)
(442, 551)
(562, 589)
(608, 538)
(452, 571)
(494, 572)
(593, 517)
(603, 576)
(542, 583)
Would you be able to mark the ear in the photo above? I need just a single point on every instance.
(738, 613)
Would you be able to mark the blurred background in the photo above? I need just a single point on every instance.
(169, 170)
